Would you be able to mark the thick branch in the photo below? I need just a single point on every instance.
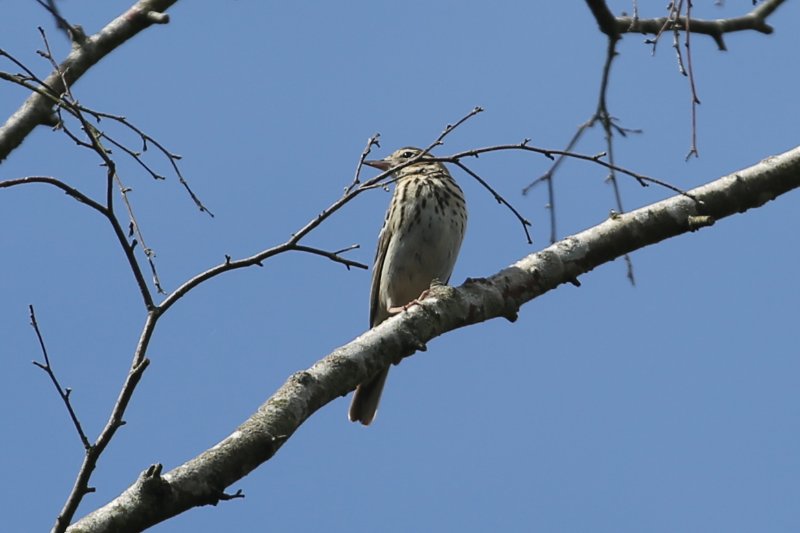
(37, 109)
(202, 480)
(615, 26)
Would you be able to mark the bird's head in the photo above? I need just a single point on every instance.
(423, 165)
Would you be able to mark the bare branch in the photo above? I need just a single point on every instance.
(447, 131)
(753, 21)
(109, 215)
(602, 115)
(171, 156)
(81, 486)
(63, 392)
(372, 141)
(692, 86)
(525, 222)
(71, 191)
(333, 256)
(609, 127)
(642, 179)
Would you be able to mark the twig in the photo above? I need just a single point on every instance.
(100, 208)
(525, 222)
(384, 178)
(600, 114)
(135, 229)
(63, 392)
(173, 158)
(372, 141)
(136, 156)
(447, 131)
(389, 176)
(333, 256)
(547, 177)
(684, 67)
(643, 179)
(81, 486)
(668, 22)
(609, 128)
(695, 99)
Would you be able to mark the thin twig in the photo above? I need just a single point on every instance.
(372, 141)
(103, 210)
(135, 229)
(642, 179)
(333, 256)
(547, 177)
(695, 99)
(172, 157)
(609, 128)
(390, 176)
(666, 23)
(525, 222)
(136, 156)
(601, 114)
(63, 392)
(115, 421)
(447, 131)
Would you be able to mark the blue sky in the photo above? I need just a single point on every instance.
(671, 406)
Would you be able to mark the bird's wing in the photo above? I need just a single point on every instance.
(376, 314)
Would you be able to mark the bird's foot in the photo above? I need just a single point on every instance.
(412, 303)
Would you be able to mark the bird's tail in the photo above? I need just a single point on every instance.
(366, 399)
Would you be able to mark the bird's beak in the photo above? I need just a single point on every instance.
(380, 164)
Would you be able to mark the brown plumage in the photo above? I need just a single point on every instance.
(419, 242)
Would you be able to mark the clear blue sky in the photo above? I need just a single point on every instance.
(671, 406)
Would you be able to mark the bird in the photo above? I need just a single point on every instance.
(419, 243)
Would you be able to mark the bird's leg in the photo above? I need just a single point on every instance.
(409, 305)
(416, 301)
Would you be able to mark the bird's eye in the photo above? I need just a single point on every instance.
(408, 154)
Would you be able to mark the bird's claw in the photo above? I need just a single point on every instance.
(412, 303)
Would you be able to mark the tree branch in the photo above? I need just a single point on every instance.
(63, 392)
(202, 480)
(37, 109)
(753, 21)
(103, 210)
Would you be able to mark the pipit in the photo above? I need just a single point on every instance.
(419, 243)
